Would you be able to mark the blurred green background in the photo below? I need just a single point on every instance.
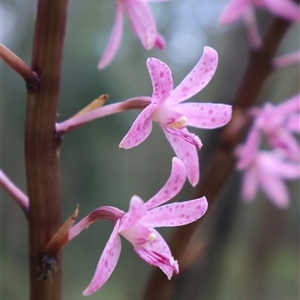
(260, 258)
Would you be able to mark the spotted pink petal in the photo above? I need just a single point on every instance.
(198, 78)
(286, 9)
(172, 187)
(293, 123)
(249, 184)
(158, 254)
(140, 129)
(187, 153)
(162, 81)
(114, 40)
(176, 214)
(205, 115)
(142, 21)
(233, 11)
(136, 211)
(274, 188)
(107, 262)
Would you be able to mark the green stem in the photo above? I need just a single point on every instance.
(41, 145)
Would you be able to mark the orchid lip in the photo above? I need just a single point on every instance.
(179, 123)
(151, 237)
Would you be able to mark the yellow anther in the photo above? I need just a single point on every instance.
(151, 237)
(179, 123)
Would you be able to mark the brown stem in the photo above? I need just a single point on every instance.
(41, 145)
(19, 66)
(221, 161)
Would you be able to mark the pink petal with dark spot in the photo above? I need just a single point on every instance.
(160, 42)
(162, 81)
(107, 262)
(205, 115)
(158, 254)
(139, 130)
(176, 214)
(172, 187)
(198, 78)
(187, 153)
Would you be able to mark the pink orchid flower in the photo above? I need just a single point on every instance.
(142, 24)
(173, 116)
(236, 9)
(137, 226)
(278, 123)
(268, 170)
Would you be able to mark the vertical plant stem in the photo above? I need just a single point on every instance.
(41, 145)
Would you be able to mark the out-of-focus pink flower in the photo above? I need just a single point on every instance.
(137, 226)
(142, 24)
(286, 60)
(278, 123)
(267, 170)
(236, 9)
(173, 116)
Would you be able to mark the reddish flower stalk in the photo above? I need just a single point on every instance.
(17, 195)
(81, 119)
(19, 66)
